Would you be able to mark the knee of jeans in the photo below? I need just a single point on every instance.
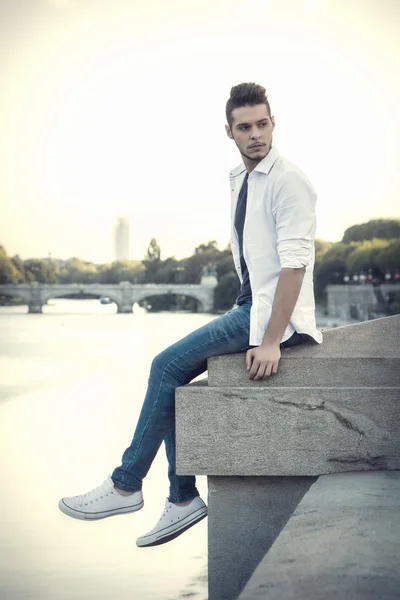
(164, 363)
(159, 362)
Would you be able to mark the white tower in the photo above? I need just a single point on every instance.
(122, 238)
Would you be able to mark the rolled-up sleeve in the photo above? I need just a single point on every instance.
(294, 213)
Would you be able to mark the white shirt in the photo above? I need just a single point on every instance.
(279, 231)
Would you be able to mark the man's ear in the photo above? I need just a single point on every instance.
(273, 123)
(228, 132)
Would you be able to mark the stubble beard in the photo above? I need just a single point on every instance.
(256, 158)
(252, 158)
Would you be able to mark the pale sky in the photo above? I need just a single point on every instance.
(117, 107)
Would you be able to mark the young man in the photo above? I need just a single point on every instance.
(272, 237)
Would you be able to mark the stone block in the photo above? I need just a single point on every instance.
(315, 371)
(286, 431)
(361, 354)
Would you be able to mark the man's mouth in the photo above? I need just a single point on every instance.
(255, 146)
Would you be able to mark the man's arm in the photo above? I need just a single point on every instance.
(294, 213)
(263, 361)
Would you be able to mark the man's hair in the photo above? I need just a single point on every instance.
(245, 94)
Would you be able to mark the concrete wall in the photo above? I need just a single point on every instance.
(361, 302)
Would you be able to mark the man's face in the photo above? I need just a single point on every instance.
(251, 130)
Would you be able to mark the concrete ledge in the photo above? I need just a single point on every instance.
(342, 542)
(361, 354)
(296, 370)
(286, 431)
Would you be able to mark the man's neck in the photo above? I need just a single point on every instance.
(249, 163)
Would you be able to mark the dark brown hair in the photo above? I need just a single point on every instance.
(245, 94)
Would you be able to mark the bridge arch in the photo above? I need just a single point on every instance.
(148, 295)
(18, 294)
(72, 295)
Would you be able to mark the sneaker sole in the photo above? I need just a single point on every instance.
(171, 536)
(78, 514)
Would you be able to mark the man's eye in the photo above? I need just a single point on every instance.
(243, 127)
(264, 124)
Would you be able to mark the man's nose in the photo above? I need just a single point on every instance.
(255, 133)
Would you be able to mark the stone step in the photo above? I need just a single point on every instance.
(286, 431)
(364, 354)
(230, 370)
(378, 338)
(343, 541)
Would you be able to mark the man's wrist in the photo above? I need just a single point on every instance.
(271, 341)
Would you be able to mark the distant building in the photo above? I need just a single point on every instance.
(122, 238)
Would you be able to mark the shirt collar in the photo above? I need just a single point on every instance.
(264, 166)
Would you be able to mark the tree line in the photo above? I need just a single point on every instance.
(369, 248)
(368, 252)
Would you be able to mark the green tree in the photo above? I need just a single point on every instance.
(76, 270)
(40, 270)
(8, 271)
(321, 249)
(204, 255)
(19, 265)
(123, 270)
(329, 271)
(321, 246)
(364, 257)
(227, 291)
(209, 248)
(167, 271)
(384, 229)
(330, 265)
(224, 264)
(338, 251)
(388, 257)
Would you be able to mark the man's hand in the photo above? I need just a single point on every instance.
(263, 361)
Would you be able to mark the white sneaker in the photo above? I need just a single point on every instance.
(174, 521)
(103, 501)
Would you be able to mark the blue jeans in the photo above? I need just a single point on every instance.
(174, 367)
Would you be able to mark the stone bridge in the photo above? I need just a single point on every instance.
(35, 295)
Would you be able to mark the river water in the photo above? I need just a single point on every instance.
(72, 382)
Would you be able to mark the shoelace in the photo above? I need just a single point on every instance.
(96, 494)
(164, 514)
(166, 509)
